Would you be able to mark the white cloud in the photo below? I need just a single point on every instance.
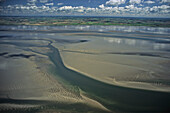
(135, 1)
(25, 7)
(60, 4)
(149, 2)
(89, 9)
(32, 1)
(165, 1)
(154, 9)
(128, 10)
(66, 8)
(79, 9)
(164, 7)
(115, 2)
(101, 6)
(43, 1)
(49, 4)
(129, 7)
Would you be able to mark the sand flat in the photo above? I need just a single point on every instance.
(34, 71)
(107, 59)
(30, 79)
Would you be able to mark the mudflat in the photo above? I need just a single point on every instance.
(126, 62)
(48, 71)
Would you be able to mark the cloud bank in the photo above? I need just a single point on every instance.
(142, 8)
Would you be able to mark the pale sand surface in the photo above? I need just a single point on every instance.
(93, 59)
(113, 73)
(27, 42)
(30, 79)
(102, 58)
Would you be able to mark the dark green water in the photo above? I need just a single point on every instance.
(113, 97)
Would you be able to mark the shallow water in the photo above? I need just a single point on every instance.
(99, 28)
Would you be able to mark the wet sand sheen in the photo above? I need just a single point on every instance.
(127, 71)
(113, 97)
(26, 88)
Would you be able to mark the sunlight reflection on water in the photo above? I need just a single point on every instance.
(138, 43)
(143, 29)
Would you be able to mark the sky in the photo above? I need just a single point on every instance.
(121, 8)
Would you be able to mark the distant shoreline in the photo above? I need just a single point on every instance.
(84, 20)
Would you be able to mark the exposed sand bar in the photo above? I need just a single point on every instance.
(138, 100)
(118, 82)
(125, 62)
(26, 83)
(128, 71)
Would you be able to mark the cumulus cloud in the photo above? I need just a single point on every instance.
(66, 8)
(60, 4)
(129, 7)
(43, 1)
(149, 2)
(101, 6)
(163, 9)
(115, 2)
(134, 1)
(89, 9)
(79, 9)
(49, 4)
(133, 9)
(165, 1)
(31, 1)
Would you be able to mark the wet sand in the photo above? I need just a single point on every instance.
(115, 73)
(27, 84)
(95, 72)
(123, 62)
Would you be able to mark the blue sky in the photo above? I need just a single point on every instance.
(135, 8)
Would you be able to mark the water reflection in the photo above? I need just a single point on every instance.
(143, 29)
(150, 42)
(138, 43)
